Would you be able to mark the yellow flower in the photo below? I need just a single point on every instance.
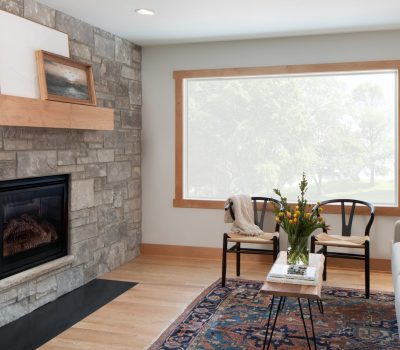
(320, 210)
(320, 219)
(290, 222)
(297, 212)
(277, 219)
(297, 207)
(280, 214)
(289, 214)
(308, 215)
(295, 220)
(318, 203)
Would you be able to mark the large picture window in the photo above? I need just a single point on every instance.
(251, 130)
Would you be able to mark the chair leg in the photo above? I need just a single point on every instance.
(367, 275)
(237, 259)
(312, 248)
(325, 252)
(275, 247)
(224, 249)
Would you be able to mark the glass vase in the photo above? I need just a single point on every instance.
(298, 252)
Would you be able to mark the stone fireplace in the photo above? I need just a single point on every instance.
(33, 222)
(103, 169)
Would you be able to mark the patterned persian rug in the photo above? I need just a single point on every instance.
(235, 317)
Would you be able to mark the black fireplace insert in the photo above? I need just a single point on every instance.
(33, 222)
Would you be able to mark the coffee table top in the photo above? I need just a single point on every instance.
(297, 290)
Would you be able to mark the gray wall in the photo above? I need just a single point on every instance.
(199, 227)
(105, 167)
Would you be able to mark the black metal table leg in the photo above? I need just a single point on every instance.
(320, 306)
(269, 319)
(273, 325)
(304, 323)
(312, 324)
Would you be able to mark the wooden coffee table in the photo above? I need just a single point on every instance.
(283, 290)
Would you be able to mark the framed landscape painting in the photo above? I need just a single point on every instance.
(65, 80)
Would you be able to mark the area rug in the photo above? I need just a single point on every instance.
(235, 317)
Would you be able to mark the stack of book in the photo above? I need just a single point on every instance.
(282, 273)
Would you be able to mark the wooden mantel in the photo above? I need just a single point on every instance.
(23, 111)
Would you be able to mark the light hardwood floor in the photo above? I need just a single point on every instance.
(166, 287)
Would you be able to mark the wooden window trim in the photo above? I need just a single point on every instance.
(179, 76)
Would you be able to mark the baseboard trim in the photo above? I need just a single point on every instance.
(377, 265)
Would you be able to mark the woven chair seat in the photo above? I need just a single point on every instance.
(265, 238)
(341, 241)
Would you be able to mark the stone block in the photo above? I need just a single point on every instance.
(80, 50)
(66, 157)
(113, 233)
(131, 119)
(16, 145)
(134, 189)
(13, 311)
(108, 215)
(104, 47)
(93, 136)
(115, 139)
(110, 70)
(105, 155)
(75, 28)
(82, 194)
(8, 297)
(135, 92)
(82, 233)
(69, 280)
(118, 171)
(116, 256)
(136, 53)
(95, 170)
(104, 197)
(26, 290)
(83, 251)
(91, 157)
(136, 172)
(7, 170)
(123, 102)
(36, 163)
(137, 216)
(35, 303)
(8, 156)
(39, 13)
(70, 169)
(45, 286)
(117, 199)
(129, 73)
(123, 49)
(16, 7)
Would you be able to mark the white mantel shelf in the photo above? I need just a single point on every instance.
(23, 111)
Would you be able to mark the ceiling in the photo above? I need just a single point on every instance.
(184, 21)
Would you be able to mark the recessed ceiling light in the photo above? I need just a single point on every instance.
(146, 12)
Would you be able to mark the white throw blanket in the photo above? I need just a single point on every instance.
(244, 216)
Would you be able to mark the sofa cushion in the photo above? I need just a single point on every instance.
(395, 261)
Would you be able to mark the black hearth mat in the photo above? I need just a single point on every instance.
(45, 323)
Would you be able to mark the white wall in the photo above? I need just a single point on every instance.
(163, 224)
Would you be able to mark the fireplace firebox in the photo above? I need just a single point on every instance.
(33, 222)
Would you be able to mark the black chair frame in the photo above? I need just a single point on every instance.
(346, 231)
(237, 249)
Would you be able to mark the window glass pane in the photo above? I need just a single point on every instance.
(252, 134)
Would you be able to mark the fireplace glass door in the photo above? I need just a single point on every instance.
(33, 222)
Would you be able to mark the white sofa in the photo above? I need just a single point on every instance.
(396, 269)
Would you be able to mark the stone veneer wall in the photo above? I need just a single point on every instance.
(105, 192)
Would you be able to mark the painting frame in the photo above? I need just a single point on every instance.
(63, 79)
